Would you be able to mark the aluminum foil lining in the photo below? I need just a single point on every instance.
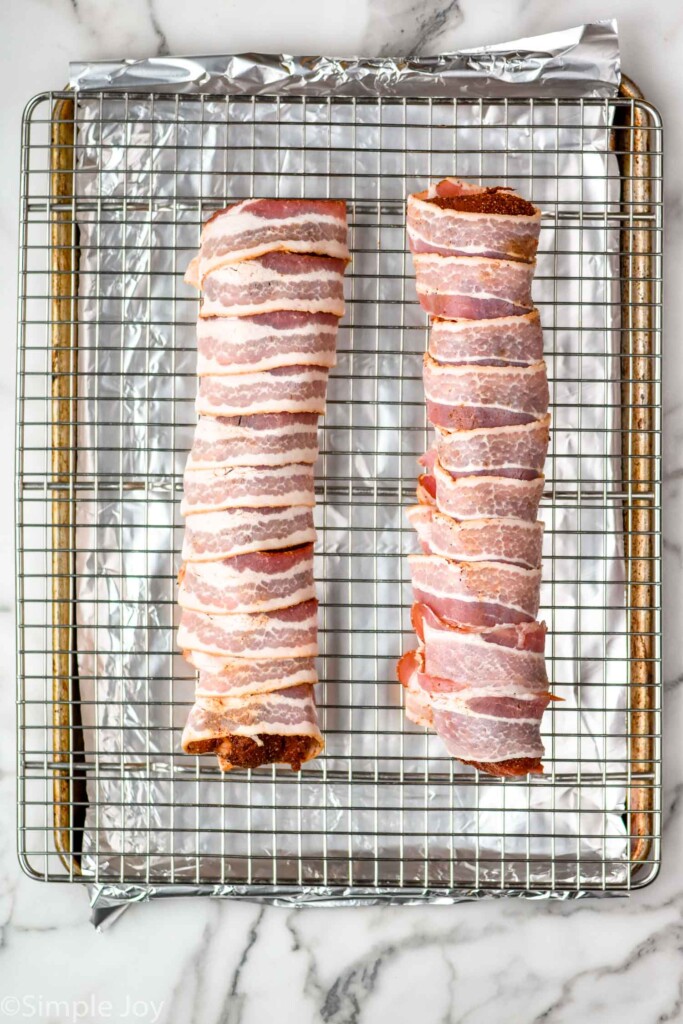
(136, 362)
(582, 61)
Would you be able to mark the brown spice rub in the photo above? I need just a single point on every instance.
(244, 752)
(514, 766)
(491, 200)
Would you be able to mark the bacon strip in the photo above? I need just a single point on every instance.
(293, 389)
(274, 282)
(516, 451)
(457, 218)
(261, 581)
(284, 633)
(475, 593)
(271, 272)
(209, 490)
(226, 676)
(497, 734)
(211, 536)
(505, 340)
(466, 398)
(484, 497)
(478, 540)
(417, 699)
(491, 659)
(472, 288)
(257, 226)
(273, 439)
(227, 344)
(487, 730)
(478, 677)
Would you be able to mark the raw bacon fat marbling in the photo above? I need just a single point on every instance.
(284, 633)
(459, 218)
(274, 282)
(516, 450)
(505, 341)
(472, 287)
(212, 536)
(258, 226)
(478, 540)
(269, 439)
(475, 593)
(259, 581)
(228, 676)
(235, 345)
(486, 497)
(292, 389)
(466, 397)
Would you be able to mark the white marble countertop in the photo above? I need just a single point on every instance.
(207, 961)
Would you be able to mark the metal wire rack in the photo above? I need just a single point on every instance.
(104, 793)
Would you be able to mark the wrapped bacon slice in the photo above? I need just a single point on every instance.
(209, 490)
(481, 497)
(272, 439)
(292, 389)
(467, 397)
(417, 698)
(457, 218)
(478, 540)
(472, 288)
(274, 282)
(211, 536)
(247, 732)
(505, 340)
(516, 451)
(271, 273)
(260, 581)
(226, 676)
(495, 658)
(257, 226)
(475, 593)
(245, 344)
(285, 633)
(497, 733)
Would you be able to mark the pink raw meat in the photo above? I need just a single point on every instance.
(291, 389)
(475, 593)
(211, 536)
(284, 633)
(257, 226)
(484, 497)
(273, 439)
(457, 218)
(259, 581)
(472, 287)
(226, 676)
(512, 340)
(209, 490)
(468, 397)
(274, 282)
(478, 540)
(517, 451)
(244, 344)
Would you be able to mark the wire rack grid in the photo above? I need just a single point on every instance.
(383, 814)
